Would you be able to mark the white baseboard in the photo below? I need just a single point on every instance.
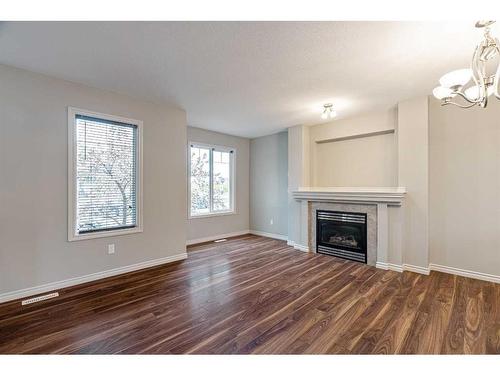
(270, 235)
(217, 237)
(297, 246)
(416, 269)
(301, 248)
(440, 268)
(9, 296)
(465, 273)
(401, 268)
(389, 266)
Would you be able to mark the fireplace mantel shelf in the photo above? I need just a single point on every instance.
(389, 195)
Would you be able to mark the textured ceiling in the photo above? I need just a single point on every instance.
(247, 78)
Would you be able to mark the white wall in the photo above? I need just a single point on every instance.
(381, 149)
(207, 227)
(464, 187)
(33, 182)
(363, 124)
(361, 161)
(448, 159)
(298, 176)
(370, 161)
(413, 173)
(269, 184)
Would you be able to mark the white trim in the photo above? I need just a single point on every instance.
(356, 136)
(213, 214)
(439, 268)
(217, 237)
(465, 273)
(383, 265)
(297, 246)
(72, 235)
(270, 235)
(210, 145)
(301, 248)
(9, 296)
(392, 196)
(382, 232)
(401, 268)
(389, 266)
(416, 269)
(232, 179)
(108, 233)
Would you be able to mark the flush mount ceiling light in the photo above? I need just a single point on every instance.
(484, 72)
(328, 111)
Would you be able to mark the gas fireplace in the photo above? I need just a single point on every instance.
(341, 234)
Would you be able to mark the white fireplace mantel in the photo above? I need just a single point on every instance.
(392, 196)
(382, 197)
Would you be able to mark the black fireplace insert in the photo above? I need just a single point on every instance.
(341, 234)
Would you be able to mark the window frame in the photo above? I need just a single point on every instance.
(232, 179)
(73, 234)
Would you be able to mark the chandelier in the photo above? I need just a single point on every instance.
(466, 88)
(328, 111)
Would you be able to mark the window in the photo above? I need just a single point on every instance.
(211, 180)
(104, 175)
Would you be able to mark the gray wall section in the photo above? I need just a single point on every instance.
(368, 161)
(34, 249)
(413, 174)
(464, 187)
(363, 161)
(298, 176)
(217, 225)
(269, 184)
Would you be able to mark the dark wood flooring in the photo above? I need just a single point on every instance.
(258, 295)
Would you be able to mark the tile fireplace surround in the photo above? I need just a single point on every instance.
(372, 201)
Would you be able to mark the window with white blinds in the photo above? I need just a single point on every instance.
(105, 186)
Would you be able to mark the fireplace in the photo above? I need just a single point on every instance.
(341, 234)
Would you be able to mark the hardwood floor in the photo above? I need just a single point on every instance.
(257, 295)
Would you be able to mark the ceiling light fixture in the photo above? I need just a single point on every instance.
(484, 72)
(328, 111)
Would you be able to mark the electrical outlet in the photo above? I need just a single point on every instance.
(271, 222)
(111, 248)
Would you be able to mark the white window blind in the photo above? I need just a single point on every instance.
(106, 174)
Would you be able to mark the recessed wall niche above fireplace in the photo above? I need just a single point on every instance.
(342, 234)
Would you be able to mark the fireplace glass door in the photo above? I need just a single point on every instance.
(341, 234)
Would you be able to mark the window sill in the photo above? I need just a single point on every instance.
(111, 233)
(213, 214)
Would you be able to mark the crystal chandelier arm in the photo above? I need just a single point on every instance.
(458, 105)
(475, 67)
(496, 81)
(466, 98)
(471, 102)
(478, 75)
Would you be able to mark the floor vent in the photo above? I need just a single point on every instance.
(39, 298)
(221, 240)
